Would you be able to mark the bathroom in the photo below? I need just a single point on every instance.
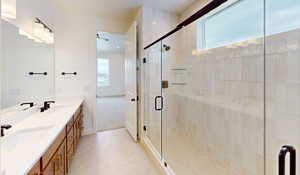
(209, 87)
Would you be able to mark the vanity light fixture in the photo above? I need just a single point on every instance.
(29, 36)
(43, 32)
(8, 9)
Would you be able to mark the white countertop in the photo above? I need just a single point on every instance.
(27, 141)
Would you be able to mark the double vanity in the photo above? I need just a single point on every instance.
(44, 142)
(35, 140)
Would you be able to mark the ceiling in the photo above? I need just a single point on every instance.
(110, 42)
(175, 6)
(120, 9)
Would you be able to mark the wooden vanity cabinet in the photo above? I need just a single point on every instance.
(49, 170)
(78, 128)
(57, 159)
(36, 169)
(76, 133)
(70, 147)
(56, 165)
(60, 163)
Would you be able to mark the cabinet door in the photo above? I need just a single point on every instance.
(70, 139)
(59, 159)
(75, 136)
(78, 131)
(69, 159)
(49, 170)
(80, 125)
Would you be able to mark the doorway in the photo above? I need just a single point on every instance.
(110, 81)
(117, 77)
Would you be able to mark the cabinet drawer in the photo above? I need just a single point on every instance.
(70, 139)
(53, 148)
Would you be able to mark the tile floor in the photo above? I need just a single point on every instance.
(111, 153)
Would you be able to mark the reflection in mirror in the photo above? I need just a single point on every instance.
(27, 68)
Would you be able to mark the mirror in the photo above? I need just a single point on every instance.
(27, 67)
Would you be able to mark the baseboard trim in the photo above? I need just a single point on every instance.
(119, 95)
(110, 129)
(88, 132)
(155, 157)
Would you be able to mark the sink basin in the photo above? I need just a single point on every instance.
(27, 137)
(15, 144)
(13, 116)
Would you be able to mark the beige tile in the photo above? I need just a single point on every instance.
(111, 153)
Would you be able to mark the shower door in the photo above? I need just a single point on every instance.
(231, 97)
(213, 116)
(282, 86)
(153, 99)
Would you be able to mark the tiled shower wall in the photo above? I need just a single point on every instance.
(213, 120)
(282, 95)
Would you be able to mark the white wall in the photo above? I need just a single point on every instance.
(157, 23)
(75, 50)
(116, 75)
(1, 69)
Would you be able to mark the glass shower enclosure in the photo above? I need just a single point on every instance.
(223, 93)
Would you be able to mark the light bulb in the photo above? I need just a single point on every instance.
(8, 9)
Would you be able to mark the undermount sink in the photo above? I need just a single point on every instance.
(26, 137)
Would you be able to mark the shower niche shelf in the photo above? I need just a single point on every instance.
(179, 76)
(179, 69)
(178, 84)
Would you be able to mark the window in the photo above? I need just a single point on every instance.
(241, 20)
(282, 15)
(103, 72)
(236, 21)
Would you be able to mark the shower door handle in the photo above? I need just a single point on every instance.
(155, 103)
(282, 155)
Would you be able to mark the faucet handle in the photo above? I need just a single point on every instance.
(4, 127)
(27, 103)
(47, 104)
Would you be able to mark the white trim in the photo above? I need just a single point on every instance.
(168, 169)
(157, 157)
(111, 96)
(89, 131)
(151, 147)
